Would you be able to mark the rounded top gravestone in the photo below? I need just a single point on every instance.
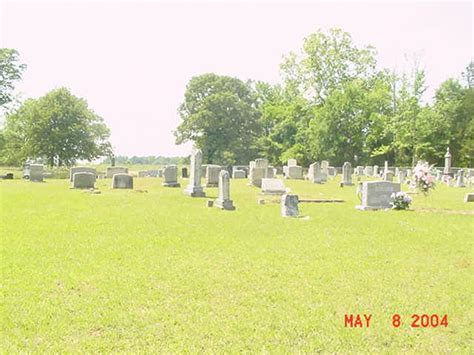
(122, 181)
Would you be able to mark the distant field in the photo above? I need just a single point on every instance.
(154, 270)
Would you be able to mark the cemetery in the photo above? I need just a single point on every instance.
(182, 178)
(168, 265)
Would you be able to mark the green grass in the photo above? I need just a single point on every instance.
(158, 271)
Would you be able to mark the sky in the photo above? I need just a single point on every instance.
(131, 60)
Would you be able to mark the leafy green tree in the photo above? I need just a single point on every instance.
(284, 119)
(351, 122)
(56, 127)
(219, 114)
(326, 63)
(454, 105)
(10, 71)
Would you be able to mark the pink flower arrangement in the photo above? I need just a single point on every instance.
(423, 180)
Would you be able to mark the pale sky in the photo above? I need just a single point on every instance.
(132, 60)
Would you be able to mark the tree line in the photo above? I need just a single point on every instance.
(333, 104)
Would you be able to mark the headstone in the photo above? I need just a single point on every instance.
(292, 162)
(194, 188)
(83, 180)
(36, 172)
(439, 175)
(170, 173)
(402, 176)
(332, 171)
(369, 171)
(388, 176)
(238, 174)
(212, 175)
(447, 162)
(460, 178)
(376, 171)
(294, 172)
(112, 170)
(270, 172)
(359, 170)
(258, 171)
(324, 167)
(244, 168)
(385, 167)
(273, 187)
(347, 174)
(159, 173)
(315, 174)
(184, 173)
(81, 169)
(469, 197)
(142, 173)
(203, 170)
(122, 181)
(223, 201)
(376, 194)
(289, 205)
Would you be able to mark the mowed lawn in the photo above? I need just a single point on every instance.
(155, 270)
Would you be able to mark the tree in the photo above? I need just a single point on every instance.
(328, 60)
(454, 105)
(10, 71)
(352, 122)
(58, 127)
(219, 114)
(284, 119)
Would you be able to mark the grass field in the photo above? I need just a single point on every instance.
(158, 271)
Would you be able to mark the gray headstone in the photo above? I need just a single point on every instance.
(81, 169)
(460, 178)
(402, 176)
(238, 174)
(111, 171)
(83, 180)
(294, 172)
(122, 181)
(223, 201)
(469, 197)
(315, 174)
(388, 176)
(170, 174)
(36, 172)
(184, 173)
(212, 175)
(376, 194)
(347, 174)
(289, 205)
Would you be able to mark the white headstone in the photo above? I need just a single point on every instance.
(292, 162)
(194, 188)
(447, 162)
(273, 187)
